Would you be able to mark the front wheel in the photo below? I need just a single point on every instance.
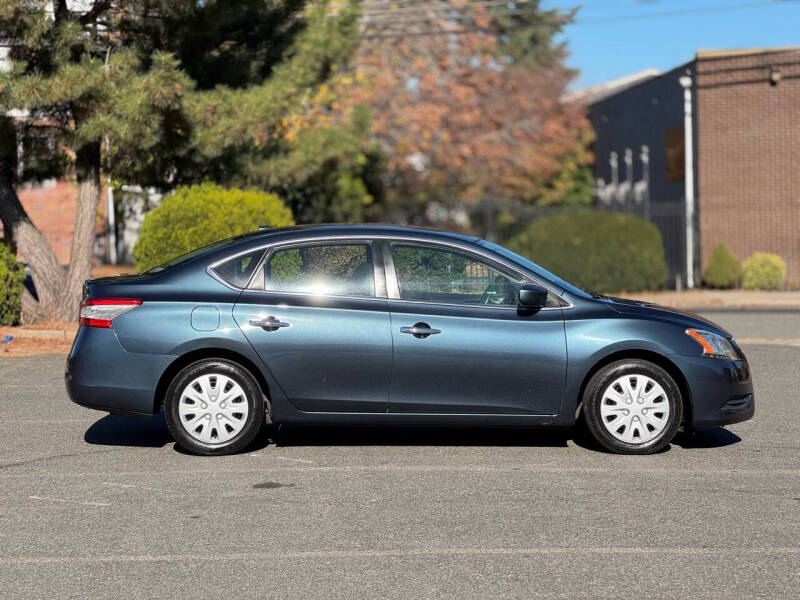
(632, 407)
(214, 406)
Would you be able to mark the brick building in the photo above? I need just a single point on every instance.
(746, 145)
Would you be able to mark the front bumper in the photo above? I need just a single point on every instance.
(101, 375)
(721, 390)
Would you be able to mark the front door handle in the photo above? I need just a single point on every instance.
(269, 324)
(420, 330)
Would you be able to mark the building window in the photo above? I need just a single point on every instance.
(675, 157)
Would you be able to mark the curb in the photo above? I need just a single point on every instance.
(752, 308)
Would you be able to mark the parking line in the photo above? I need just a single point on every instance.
(423, 468)
(300, 460)
(418, 552)
(63, 501)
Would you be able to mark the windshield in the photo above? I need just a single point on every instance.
(522, 261)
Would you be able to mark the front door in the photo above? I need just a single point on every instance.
(462, 344)
(313, 316)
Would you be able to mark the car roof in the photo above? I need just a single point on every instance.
(302, 231)
(255, 239)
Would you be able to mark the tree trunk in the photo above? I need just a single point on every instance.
(48, 275)
(80, 259)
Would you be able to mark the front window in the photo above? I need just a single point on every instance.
(432, 274)
(527, 264)
(335, 269)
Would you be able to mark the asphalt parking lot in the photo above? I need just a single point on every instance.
(93, 505)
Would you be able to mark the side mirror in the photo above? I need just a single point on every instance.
(532, 296)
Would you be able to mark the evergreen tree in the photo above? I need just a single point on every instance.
(158, 92)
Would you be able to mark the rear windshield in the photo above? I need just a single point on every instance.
(188, 256)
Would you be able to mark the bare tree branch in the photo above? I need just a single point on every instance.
(98, 8)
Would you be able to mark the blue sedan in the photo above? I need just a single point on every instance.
(387, 326)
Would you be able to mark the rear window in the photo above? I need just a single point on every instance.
(238, 270)
(336, 269)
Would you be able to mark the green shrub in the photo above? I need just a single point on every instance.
(12, 275)
(723, 270)
(763, 271)
(597, 251)
(195, 216)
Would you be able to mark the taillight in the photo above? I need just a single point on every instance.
(99, 312)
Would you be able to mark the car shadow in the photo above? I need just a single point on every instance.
(700, 438)
(309, 435)
(707, 437)
(124, 430)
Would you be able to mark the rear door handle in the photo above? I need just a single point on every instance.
(270, 323)
(420, 330)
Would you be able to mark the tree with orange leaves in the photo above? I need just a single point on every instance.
(466, 103)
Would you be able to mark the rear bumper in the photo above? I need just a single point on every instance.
(101, 375)
(721, 390)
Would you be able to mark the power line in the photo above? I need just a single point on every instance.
(422, 7)
(444, 7)
(678, 12)
(436, 32)
(451, 18)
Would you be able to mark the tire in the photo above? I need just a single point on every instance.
(214, 407)
(632, 406)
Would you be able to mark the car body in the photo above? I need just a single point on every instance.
(369, 324)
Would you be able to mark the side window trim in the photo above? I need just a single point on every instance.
(393, 288)
(379, 282)
(378, 263)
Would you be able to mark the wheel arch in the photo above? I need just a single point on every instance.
(650, 356)
(201, 353)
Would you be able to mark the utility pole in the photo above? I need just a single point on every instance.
(111, 223)
(688, 176)
(628, 180)
(488, 218)
(645, 158)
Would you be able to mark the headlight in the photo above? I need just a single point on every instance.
(713, 345)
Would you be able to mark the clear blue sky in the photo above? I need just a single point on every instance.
(612, 38)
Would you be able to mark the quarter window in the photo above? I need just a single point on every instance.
(430, 274)
(327, 269)
(237, 270)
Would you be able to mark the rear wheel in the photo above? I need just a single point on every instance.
(632, 407)
(214, 406)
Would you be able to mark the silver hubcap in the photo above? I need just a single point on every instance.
(213, 408)
(634, 409)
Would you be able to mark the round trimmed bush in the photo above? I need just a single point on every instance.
(198, 215)
(763, 271)
(597, 251)
(723, 270)
(12, 274)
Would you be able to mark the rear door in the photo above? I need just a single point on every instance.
(317, 315)
(461, 342)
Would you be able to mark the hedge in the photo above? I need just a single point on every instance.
(12, 274)
(763, 271)
(198, 215)
(723, 270)
(597, 251)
